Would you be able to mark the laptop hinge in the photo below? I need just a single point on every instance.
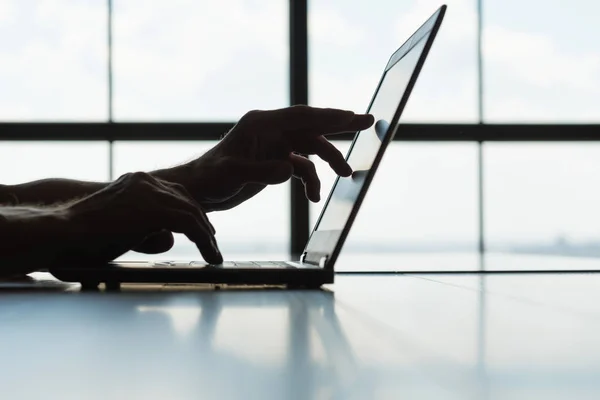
(302, 257)
(319, 259)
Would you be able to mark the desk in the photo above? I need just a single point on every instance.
(405, 336)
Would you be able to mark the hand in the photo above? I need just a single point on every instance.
(264, 148)
(138, 212)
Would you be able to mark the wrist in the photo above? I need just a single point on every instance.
(194, 176)
(81, 229)
(50, 227)
(59, 229)
(36, 238)
(182, 174)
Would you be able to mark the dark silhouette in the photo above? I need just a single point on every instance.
(58, 221)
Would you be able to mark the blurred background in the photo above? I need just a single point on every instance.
(92, 89)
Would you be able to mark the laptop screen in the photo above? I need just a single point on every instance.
(384, 106)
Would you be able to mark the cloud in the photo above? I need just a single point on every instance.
(447, 87)
(329, 90)
(455, 103)
(7, 12)
(329, 27)
(527, 183)
(204, 36)
(53, 62)
(26, 161)
(346, 76)
(460, 21)
(166, 55)
(536, 60)
(529, 77)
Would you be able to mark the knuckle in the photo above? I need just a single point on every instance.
(179, 188)
(250, 116)
(301, 110)
(124, 178)
(190, 205)
(252, 113)
(139, 177)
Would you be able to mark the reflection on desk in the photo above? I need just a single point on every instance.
(365, 337)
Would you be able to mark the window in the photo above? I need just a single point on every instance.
(248, 231)
(422, 202)
(27, 161)
(189, 60)
(351, 42)
(53, 60)
(541, 61)
(208, 61)
(542, 198)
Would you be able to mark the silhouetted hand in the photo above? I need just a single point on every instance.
(139, 212)
(264, 148)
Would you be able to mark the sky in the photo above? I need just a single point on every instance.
(189, 60)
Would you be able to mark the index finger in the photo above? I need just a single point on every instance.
(359, 122)
(303, 117)
(198, 232)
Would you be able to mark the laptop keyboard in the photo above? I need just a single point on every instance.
(226, 264)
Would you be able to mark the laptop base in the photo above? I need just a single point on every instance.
(113, 274)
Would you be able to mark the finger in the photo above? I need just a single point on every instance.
(299, 117)
(305, 170)
(358, 122)
(328, 153)
(264, 172)
(185, 199)
(196, 231)
(185, 195)
(156, 243)
(183, 215)
(176, 201)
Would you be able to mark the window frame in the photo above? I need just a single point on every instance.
(480, 132)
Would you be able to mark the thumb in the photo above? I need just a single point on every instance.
(265, 172)
(156, 243)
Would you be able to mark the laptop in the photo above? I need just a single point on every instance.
(316, 265)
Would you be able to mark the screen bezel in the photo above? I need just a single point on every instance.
(431, 25)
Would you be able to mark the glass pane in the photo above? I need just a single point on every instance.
(542, 198)
(422, 203)
(199, 60)
(542, 61)
(244, 232)
(351, 42)
(28, 161)
(54, 64)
